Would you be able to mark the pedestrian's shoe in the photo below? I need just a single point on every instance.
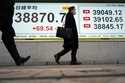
(57, 59)
(76, 63)
(22, 60)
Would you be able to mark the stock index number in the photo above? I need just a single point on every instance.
(107, 12)
(37, 17)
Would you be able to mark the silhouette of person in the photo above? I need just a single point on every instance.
(8, 33)
(72, 43)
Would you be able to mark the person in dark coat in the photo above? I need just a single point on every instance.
(8, 33)
(70, 44)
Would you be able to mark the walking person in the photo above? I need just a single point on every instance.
(8, 33)
(70, 44)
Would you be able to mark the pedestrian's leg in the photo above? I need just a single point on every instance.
(11, 47)
(59, 54)
(73, 56)
(9, 43)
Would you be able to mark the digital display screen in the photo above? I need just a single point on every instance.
(93, 20)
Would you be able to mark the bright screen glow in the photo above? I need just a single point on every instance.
(94, 20)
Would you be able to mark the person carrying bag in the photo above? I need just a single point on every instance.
(70, 36)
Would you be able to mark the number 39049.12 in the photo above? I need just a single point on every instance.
(43, 28)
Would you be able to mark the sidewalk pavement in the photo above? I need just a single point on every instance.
(63, 74)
